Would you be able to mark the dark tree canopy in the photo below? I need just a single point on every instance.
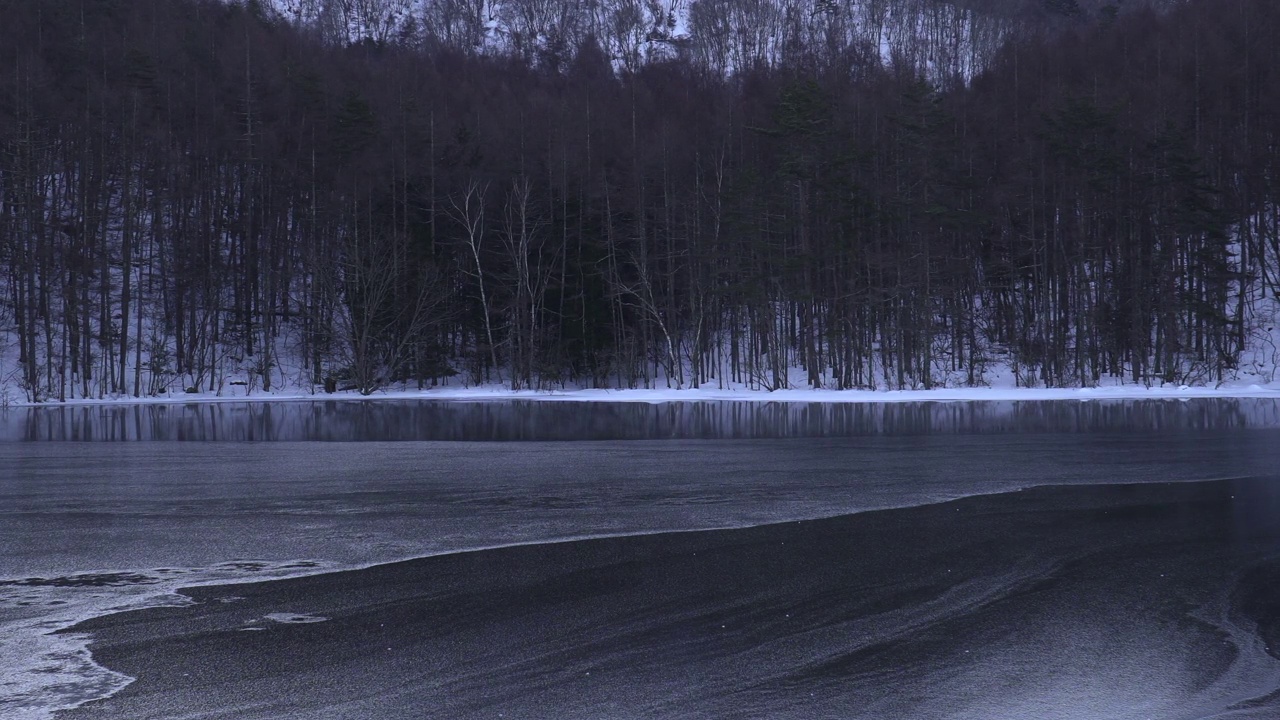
(869, 193)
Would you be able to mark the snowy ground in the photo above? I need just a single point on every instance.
(713, 393)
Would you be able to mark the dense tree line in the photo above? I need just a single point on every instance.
(878, 193)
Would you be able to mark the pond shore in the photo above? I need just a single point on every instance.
(702, 394)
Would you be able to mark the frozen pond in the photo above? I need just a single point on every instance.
(1092, 598)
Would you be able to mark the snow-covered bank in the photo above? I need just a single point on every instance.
(703, 394)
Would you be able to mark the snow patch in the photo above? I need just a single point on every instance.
(44, 669)
(711, 392)
(294, 618)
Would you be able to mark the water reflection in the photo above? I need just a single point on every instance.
(531, 420)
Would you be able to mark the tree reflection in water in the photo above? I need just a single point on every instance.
(532, 420)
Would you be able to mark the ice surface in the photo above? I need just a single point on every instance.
(43, 670)
(88, 529)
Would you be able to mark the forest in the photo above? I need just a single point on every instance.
(359, 194)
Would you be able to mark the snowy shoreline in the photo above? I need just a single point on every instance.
(704, 394)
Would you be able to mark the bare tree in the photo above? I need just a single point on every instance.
(468, 211)
(461, 25)
(532, 270)
(386, 308)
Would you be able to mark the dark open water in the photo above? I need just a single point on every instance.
(937, 560)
